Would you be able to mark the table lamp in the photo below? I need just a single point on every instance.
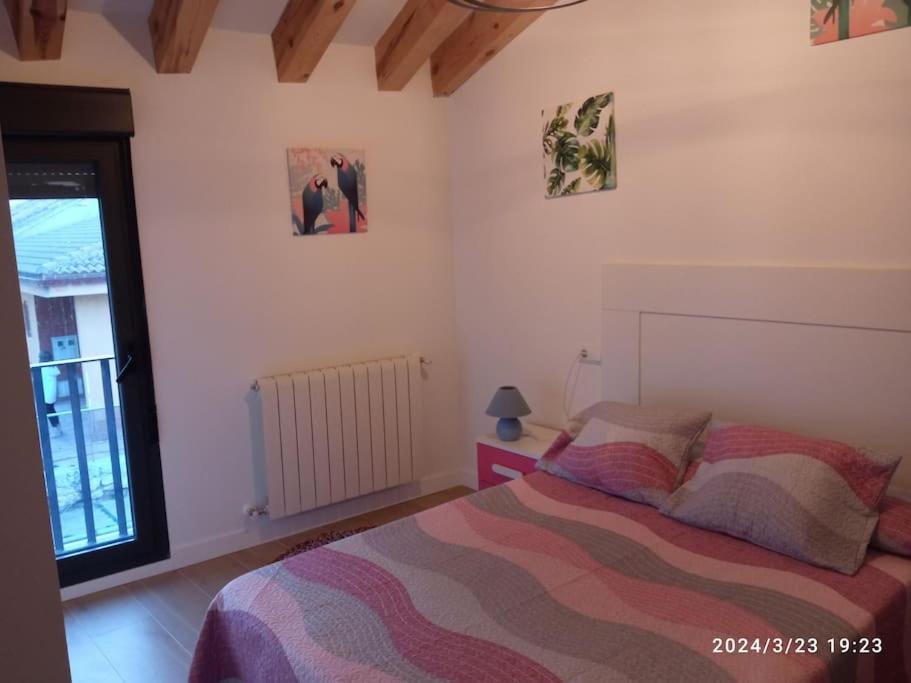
(508, 405)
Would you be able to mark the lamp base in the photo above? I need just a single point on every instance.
(509, 429)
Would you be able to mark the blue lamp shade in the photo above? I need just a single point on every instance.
(508, 405)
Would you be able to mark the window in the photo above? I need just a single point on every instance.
(77, 255)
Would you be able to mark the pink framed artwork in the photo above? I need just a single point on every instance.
(328, 191)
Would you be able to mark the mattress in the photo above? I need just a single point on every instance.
(545, 580)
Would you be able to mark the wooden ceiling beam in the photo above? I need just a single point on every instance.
(303, 34)
(481, 37)
(38, 27)
(418, 30)
(178, 28)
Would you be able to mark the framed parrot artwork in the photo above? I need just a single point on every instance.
(328, 191)
(834, 20)
(580, 147)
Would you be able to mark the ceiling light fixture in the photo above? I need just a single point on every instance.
(488, 6)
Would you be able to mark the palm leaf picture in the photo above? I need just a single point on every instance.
(579, 147)
(566, 152)
(572, 188)
(555, 181)
(596, 160)
(589, 114)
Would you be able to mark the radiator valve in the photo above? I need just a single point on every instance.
(255, 511)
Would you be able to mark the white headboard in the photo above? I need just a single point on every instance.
(822, 351)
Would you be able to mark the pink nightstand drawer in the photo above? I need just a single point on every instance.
(503, 461)
(496, 466)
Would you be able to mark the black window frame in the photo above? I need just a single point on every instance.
(45, 124)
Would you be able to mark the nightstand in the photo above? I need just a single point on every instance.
(503, 461)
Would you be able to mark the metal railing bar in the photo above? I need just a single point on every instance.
(111, 422)
(79, 436)
(47, 461)
(66, 413)
(70, 361)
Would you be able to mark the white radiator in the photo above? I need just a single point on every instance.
(338, 433)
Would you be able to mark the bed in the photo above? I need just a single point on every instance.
(544, 579)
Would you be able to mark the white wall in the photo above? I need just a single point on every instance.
(231, 294)
(738, 143)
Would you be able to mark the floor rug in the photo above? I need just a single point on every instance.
(321, 540)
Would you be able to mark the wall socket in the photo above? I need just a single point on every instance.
(589, 354)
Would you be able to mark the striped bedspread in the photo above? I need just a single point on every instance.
(544, 580)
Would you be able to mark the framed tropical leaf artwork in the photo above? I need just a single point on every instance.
(328, 191)
(580, 147)
(834, 20)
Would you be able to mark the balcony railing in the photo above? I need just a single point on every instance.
(85, 464)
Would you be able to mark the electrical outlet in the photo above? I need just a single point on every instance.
(589, 354)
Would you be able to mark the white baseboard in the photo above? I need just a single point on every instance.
(264, 530)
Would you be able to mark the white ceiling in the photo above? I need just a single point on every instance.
(364, 25)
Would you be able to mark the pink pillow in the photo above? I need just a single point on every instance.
(812, 499)
(893, 533)
(625, 450)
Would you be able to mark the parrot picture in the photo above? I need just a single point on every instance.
(347, 183)
(313, 203)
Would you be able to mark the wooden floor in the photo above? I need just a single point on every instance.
(146, 631)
